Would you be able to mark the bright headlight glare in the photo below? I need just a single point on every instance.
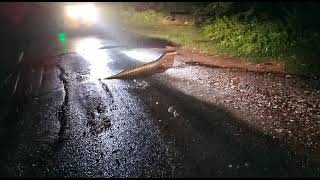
(72, 12)
(87, 12)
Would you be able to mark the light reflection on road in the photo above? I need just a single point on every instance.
(88, 48)
(143, 55)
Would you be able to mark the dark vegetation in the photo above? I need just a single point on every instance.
(256, 31)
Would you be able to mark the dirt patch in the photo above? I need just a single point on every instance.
(222, 61)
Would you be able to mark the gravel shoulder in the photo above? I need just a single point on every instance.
(283, 106)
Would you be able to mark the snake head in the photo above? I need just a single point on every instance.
(169, 49)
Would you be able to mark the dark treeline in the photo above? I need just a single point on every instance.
(302, 15)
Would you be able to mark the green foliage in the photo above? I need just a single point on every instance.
(255, 38)
(213, 9)
(143, 17)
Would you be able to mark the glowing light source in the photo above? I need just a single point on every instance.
(84, 12)
(72, 12)
(62, 37)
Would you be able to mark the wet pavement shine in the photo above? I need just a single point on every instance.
(189, 121)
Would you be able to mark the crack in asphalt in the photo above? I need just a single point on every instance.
(62, 113)
(107, 90)
(98, 117)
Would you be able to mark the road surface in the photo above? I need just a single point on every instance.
(190, 121)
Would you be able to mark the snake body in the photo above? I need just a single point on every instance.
(164, 62)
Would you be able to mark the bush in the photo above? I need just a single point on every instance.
(251, 39)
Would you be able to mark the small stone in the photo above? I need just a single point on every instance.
(118, 162)
(159, 120)
(170, 109)
(246, 164)
(230, 166)
(115, 151)
(157, 102)
(175, 114)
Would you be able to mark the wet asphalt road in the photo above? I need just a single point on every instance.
(71, 124)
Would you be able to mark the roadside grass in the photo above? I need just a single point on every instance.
(254, 42)
(186, 36)
(148, 23)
